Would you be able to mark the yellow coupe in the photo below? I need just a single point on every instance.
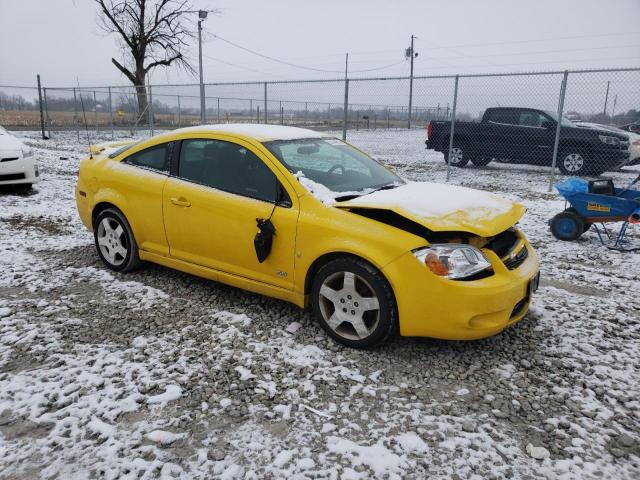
(304, 217)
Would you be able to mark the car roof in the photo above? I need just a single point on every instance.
(259, 132)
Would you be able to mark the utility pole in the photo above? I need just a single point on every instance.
(606, 98)
(44, 137)
(411, 54)
(346, 98)
(202, 15)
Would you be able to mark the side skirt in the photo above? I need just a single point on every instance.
(226, 278)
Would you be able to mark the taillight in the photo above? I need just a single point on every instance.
(429, 130)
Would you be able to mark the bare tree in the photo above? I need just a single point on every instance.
(152, 33)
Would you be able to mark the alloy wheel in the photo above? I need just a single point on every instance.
(573, 162)
(349, 305)
(112, 241)
(455, 156)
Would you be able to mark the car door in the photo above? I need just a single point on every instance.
(141, 177)
(536, 138)
(499, 134)
(221, 187)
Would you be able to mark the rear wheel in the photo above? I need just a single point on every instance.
(115, 242)
(567, 226)
(459, 156)
(354, 303)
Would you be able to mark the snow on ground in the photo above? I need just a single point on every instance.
(158, 374)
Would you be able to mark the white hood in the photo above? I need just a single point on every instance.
(10, 145)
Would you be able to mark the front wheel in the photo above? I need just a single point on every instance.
(458, 157)
(573, 162)
(354, 303)
(115, 242)
(567, 226)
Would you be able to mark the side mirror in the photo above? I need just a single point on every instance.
(549, 124)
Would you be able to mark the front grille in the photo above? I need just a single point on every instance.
(9, 159)
(518, 259)
(12, 176)
(503, 243)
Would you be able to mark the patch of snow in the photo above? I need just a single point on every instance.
(411, 442)
(377, 457)
(172, 392)
(244, 373)
(163, 437)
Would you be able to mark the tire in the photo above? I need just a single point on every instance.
(481, 162)
(458, 157)
(114, 240)
(574, 162)
(341, 294)
(587, 225)
(567, 226)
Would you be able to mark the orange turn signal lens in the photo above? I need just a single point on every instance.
(436, 265)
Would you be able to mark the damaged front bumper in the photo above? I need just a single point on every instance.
(432, 306)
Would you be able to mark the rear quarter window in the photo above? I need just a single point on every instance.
(153, 158)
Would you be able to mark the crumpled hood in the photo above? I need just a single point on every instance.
(440, 207)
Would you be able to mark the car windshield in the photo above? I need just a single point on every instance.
(565, 121)
(333, 164)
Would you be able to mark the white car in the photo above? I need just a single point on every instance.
(17, 162)
(634, 139)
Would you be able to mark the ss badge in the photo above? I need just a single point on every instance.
(281, 273)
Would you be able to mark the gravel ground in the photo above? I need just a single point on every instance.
(158, 374)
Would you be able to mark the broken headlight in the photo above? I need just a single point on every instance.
(453, 260)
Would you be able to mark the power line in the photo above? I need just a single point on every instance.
(535, 41)
(302, 66)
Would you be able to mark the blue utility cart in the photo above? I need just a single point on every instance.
(594, 203)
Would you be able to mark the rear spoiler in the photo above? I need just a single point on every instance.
(102, 147)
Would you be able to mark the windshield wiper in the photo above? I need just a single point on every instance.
(351, 196)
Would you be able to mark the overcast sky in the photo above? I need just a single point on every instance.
(61, 39)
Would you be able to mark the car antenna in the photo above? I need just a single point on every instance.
(84, 116)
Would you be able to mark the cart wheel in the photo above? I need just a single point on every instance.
(567, 226)
(587, 225)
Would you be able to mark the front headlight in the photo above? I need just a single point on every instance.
(27, 152)
(453, 260)
(609, 140)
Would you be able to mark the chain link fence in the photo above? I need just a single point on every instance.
(464, 120)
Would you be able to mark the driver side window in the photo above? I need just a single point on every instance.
(227, 166)
(531, 118)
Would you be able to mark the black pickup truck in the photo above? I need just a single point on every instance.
(526, 135)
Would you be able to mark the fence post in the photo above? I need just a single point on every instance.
(306, 113)
(453, 124)
(563, 90)
(251, 110)
(266, 120)
(346, 110)
(111, 114)
(281, 114)
(46, 111)
(388, 119)
(218, 109)
(75, 114)
(95, 110)
(329, 114)
(179, 113)
(151, 119)
(44, 137)
(257, 113)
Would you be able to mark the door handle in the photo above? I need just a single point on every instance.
(181, 202)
